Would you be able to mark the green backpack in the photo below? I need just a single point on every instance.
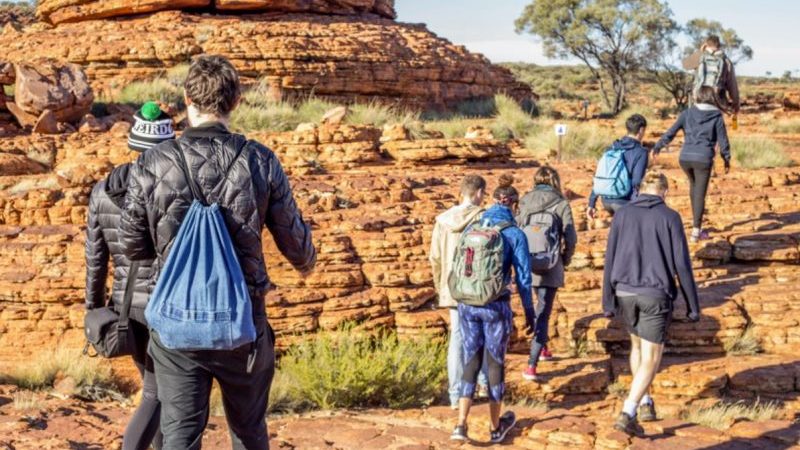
(477, 275)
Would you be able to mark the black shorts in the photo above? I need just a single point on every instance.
(646, 317)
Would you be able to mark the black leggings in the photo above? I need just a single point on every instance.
(143, 428)
(699, 174)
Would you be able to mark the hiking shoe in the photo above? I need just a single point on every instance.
(546, 355)
(530, 374)
(647, 413)
(628, 425)
(459, 433)
(482, 392)
(701, 236)
(507, 422)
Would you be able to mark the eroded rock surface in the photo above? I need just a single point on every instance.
(344, 58)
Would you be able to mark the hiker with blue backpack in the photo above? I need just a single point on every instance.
(704, 129)
(620, 169)
(546, 219)
(479, 282)
(124, 307)
(198, 205)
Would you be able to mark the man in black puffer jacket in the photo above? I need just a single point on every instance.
(248, 183)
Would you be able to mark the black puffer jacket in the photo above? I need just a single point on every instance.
(102, 244)
(243, 177)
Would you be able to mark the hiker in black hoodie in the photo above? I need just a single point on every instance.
(103, 244)
(646, 251)
(703, 127)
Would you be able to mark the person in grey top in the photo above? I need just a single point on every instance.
(547, 196)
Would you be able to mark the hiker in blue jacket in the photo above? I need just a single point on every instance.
(487, 329)
(636, 160)
(647, 262)
(704, 128)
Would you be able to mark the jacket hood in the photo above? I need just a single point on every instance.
(540, 198)
(497, 214)
(117, 184)
(456, 219)
(627, 143)
(702, 114)
(647, 201)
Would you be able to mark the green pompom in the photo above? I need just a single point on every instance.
(151, 111)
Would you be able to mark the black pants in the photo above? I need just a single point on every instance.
(184, 386)
(699, 174)
(143, 428)
(613, 205)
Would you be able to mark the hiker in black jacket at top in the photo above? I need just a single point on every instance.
(646, 251)
(703, 127)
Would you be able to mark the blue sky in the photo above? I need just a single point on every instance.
(770, 27)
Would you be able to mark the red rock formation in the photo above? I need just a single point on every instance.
(344, 57)
(62, 11)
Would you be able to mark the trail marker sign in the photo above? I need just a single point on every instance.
(561, 131)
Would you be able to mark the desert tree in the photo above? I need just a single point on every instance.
(665, 68)
(613, 38)
(699, 29)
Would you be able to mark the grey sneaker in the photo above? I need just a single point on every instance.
(647, 413)
(459, 433)
(628, 425)
(507, 422)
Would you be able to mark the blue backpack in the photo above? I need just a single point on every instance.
(201, 301)
(612, 179)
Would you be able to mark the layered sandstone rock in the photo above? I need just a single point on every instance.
(343, 58)
(47, 93)
(61, 11)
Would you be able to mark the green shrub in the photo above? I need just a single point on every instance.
(785, 126)
(41, 372)
(758, 153)
(8, 89)
(313, 109)
(722, 415)
(160, 90)
(277, 116)
(345, 369)
(583, 141)
(511, 120)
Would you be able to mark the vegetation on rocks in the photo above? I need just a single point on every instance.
(50, 365)
(722, 415)
(758, 153)
(746, 344)
(348, 369)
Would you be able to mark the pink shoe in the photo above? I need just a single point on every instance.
(546, 355)
(530, 374)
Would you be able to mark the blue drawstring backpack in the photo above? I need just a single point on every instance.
(201, 301)
(612, 179)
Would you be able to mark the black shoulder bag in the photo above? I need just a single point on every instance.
(108, 332)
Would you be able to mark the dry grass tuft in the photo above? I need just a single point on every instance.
(759, 153)
(43, 370)
(746, 344)
(722, 415)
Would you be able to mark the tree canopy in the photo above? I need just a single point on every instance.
(613, 38)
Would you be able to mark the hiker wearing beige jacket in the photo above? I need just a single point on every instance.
(446, 233)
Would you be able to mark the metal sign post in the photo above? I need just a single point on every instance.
(561, 131)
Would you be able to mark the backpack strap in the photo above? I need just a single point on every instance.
(500, 226)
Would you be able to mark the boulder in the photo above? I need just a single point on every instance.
(791, 100)
(49, 85)
(335, 116)
(6, 73)
(46, 124)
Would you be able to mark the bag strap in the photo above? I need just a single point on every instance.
(196, 191)
(127, 299)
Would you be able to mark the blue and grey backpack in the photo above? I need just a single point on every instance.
(612, 179)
